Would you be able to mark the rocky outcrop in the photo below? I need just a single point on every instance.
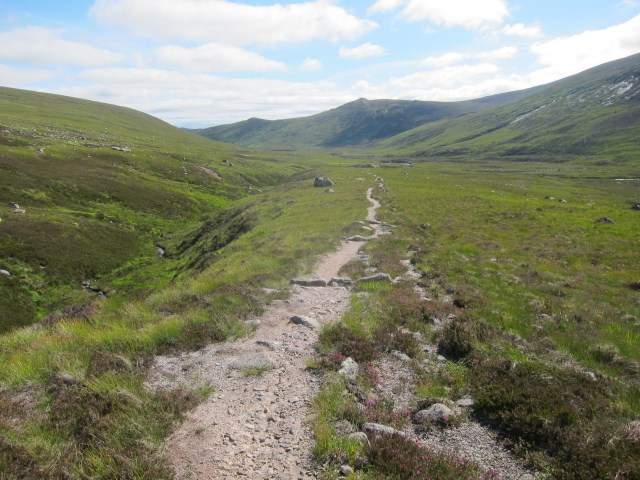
(322, 182)
(309, 281)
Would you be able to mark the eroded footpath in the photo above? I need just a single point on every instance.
(255, 424)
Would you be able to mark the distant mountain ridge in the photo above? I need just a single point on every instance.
(357, 123)
(584, 113)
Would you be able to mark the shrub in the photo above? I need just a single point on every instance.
(343, 340)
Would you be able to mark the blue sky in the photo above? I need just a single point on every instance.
(198, 63)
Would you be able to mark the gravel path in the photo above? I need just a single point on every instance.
(256, 426)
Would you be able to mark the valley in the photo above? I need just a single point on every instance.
(506, 293)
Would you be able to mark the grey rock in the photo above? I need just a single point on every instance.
(377, 277)
(322, 182)
(401, 355)
(346, 470)
(358, 238)
(606, 220)
(252, 360)
(546, 318)
(5, 273)
(329, 190)
(635, 206)
(309, 281)
(359, 437)
(341, 281)
(253, 322)
(437, 413)
(378, 429)
(349, 369)
(562, 200)
(304, 321)
(465, 403)
(121, 149)
(527, 476)
(13, 206)
(273, 345)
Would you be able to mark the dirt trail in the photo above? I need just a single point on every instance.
(257, 427)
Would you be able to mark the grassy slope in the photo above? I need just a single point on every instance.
(542, 294)
(356, 123)
(591, 113)
(93, 213)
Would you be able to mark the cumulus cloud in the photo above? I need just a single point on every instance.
(39, 45)
(194, 99)
(21, 77)
(502, 53)
(443, 77)
(471, 14)
(522, 30)
(215, 57)
(229, 22)
(563, 56)
(366, 50)
(311, 65)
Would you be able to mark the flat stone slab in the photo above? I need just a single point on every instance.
(309, 281)
(358, 238)
(341, 281)
(376, 277)
(252, 360)
(304, 321)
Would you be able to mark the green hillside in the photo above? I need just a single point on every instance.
(356, 123)
(596, 112)
(97, 214)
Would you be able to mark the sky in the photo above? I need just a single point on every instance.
(199, 63)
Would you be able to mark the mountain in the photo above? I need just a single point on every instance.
(90, 191)
(356, 123)
(593, 112)
(596, 112)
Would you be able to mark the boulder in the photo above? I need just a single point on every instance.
(604, 220)
(5, 273)
(304, 321)
(349, 369)
(359, 437)
(322, 182)
(329, 190)
(436, 414)
(635, 206)
(378, 429)
(309, 281)
(376, 277)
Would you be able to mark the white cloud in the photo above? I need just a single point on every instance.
(311, 65)
(522, 30)
(214, 57)
(232, 22)
(21, 77)
(199, 99)
(39, 45)
(470, 14)
(444, 77)
(565, 56)
(444, 60)
(502, 53)
(366, 50)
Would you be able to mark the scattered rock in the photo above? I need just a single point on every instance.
(401, 355)
(377, 277)
(549, 198)
(121, 149)
(254, 322)
(329, 190)
(358, 238)
(41, 150)
(340, 281)
(378, 429)
(5, 273)
(562, 200)
(304, 321)
(635, 206)
(309, 281)
(526, 476)
(322, 182)
(252, 360)
(546, 318)
(13, 206)
(273, 345)
(438, 414)
(466, 402)
(346, 470)
(604, 220)
(349, 369)
(425, 226)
